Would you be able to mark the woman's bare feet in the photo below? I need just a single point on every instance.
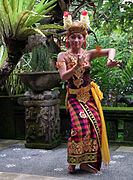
(90, 169)
(71, 168)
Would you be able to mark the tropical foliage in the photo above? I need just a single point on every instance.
(113, 81)
(3, 54)
(40, 59)
(18, 20)
(114, 15)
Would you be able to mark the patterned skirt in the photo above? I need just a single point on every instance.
(85, 141)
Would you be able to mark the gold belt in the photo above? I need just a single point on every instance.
(82, 93)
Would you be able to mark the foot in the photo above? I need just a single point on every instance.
(85, 167)
(71, 168)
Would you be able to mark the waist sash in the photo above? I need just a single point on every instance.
(82, 95)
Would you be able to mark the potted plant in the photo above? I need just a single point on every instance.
(42, 76)
(18, 21)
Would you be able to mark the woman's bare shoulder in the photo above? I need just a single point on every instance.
(61, 56)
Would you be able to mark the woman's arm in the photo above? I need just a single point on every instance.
(64, 73)
(110, 52)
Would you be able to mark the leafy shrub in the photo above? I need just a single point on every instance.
(40, 59)
(113, 81)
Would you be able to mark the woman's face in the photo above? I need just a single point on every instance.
(76, 40)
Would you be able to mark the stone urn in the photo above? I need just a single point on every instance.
(40, 81)
(42, 120)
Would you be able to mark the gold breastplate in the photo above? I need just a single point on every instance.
(78, 74)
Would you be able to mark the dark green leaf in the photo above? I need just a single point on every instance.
(100, 3)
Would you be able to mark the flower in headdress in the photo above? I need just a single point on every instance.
(66, 14)
(84, 13)
(84, 18)
(67, 20)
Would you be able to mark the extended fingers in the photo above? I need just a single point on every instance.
(112, 63)
(117, 63)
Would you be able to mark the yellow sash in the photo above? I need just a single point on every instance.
(98, 95)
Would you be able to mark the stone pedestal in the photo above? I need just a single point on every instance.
(42, 119)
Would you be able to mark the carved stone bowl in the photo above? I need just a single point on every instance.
(40, 81)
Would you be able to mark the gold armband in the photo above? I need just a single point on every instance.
(59, 64)
(98, 49)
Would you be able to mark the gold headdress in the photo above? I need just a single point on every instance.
(76, 26)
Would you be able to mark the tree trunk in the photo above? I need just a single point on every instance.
(15, 51)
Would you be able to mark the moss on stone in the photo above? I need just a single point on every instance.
(118, 108)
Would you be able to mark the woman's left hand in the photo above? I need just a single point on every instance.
(112, 63)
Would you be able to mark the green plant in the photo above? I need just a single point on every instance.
(112, 81)
(113, 15)
(40, 59)
(14, 85)
(3, 54)
(17, 17)
(126, 77)
(18, 20)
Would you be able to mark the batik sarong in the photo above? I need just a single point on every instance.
(85, 141)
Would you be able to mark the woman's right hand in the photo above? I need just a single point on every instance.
(80, 59)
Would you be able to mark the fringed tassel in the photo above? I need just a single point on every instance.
(67, 44)
(85, 44)
(66, 99)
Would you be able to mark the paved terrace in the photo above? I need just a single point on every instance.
(20, 163)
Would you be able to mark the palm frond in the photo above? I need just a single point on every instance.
(23, 16)
(50, 26)
(50, 33)
(3, 54)
(13, 4)
(127, 73)
(1, 25)
(33, 19)
(24, 32)
(9, 13)
(20, 6)
(17, 17)
(30, 5)
(48, 10)
(4, 18)
(39, 6)
(42, 7)
(5, 23)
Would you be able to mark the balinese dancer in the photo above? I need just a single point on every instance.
(88, 144)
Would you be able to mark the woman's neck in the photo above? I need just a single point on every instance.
(76, 51)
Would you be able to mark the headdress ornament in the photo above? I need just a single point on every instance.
(76, 26)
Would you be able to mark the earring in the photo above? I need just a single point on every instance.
(67, 44)
(85, 44)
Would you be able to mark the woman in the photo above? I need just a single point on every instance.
(88, 143)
